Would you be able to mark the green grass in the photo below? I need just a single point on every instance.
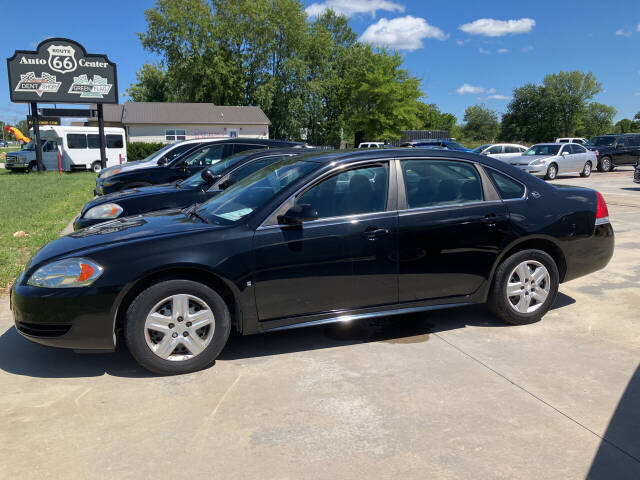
(8, 149)
(40, 205)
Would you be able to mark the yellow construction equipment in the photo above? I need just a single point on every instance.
(18, 134)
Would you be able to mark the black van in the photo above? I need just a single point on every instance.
(616, 150)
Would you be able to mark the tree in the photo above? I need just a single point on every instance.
(571, 92)
(597, 119)
(624, 126)
(431, 118)
(532, 116)
(481, 123)
(152, 85)
(384, 97)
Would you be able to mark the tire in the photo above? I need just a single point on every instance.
(540, 289)
(96, 167)
(552, 172)
(33, 167)
(586, 170)
(176, 354)
(605, 164)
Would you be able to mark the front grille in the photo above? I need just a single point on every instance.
(43, 329)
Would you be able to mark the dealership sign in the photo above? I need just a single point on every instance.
(61, 71)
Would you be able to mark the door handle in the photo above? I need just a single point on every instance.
(373, 232)
(490, 218)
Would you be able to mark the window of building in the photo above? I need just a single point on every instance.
(175, 135)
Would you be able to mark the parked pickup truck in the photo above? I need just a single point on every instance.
(616, 150)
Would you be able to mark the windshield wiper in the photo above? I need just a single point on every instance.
(191, 211)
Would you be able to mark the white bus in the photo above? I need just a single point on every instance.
(79, 149)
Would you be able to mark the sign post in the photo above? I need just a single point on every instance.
(61, 71)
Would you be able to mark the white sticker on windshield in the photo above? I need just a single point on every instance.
(238, 214)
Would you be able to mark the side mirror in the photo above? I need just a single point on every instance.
(162, 161)
(298, 214)
(565, 153)
(208, 176)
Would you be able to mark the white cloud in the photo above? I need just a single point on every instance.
(623, 32)
(353, 7)
(466, 88)
(484, 51)
(638, 27)
(490, 27)
(491, 90)
(498, 97)
(526, 49)
(403, 33)
(503, 50)
(637, 94)
(461, 42)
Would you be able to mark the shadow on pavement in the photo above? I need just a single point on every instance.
(21, 357)
(619, 453)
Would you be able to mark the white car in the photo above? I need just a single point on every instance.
(371, 145)
(549, 160)
(501, 151)
(579, 140)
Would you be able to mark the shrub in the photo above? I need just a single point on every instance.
(140, 150)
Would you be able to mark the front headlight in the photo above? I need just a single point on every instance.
(109, 173)
(68, 273)
(104, 211)
(539, 162)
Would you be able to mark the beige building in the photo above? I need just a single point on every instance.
(170, 122)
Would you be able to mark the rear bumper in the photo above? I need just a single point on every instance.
(590, 254)
(78, 318)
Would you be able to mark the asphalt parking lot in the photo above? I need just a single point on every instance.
(448, 394)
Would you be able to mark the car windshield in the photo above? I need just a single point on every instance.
(543, 150)
(196, 180)
(253, 191)
(602, 141)
(480, 148)
(32, 145)
(157, 153)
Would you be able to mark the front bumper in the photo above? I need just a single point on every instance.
(15, 166)
(537, 170)
(78, 318)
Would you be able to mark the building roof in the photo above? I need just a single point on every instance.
(167, 113)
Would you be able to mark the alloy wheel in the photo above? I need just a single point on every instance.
(528, 286)
(552, 172)
(179, 327)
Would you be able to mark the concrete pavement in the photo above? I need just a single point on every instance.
(449, 394)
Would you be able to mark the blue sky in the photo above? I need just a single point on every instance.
(465, 52)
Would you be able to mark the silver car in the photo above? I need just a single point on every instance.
(549, 160)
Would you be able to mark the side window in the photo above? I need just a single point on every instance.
(50, 146)
(205, 156)
(563, 140)
(241, 147)
(522, 149)
(511, 149)
(251, 167)
(430, 183)
(93, 140)
(495, 149)
(354, 192)
(623, 142)
(634, 140)
(76, 140)
(506, 187)
(578, 148)
(114, 141)
(566, 148)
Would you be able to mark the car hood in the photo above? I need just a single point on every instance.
(129, 166)
(119, 231)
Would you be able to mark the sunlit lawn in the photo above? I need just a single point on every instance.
(41, 205)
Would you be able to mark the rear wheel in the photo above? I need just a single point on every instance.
(605, 164)
(177, 326)
(586, 170)
(552, 172)
(525, 287)
(96, 167)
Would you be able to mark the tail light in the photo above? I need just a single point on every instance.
(597, 153)
(602, 212)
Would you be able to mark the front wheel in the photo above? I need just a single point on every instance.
(552, 172)
(586, 170)
(525, 286)
(177, 326)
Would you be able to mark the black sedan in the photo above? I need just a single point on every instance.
(312, 239)
(198, 188)
(182, 166)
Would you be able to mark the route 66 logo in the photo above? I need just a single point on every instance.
(62, 58)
